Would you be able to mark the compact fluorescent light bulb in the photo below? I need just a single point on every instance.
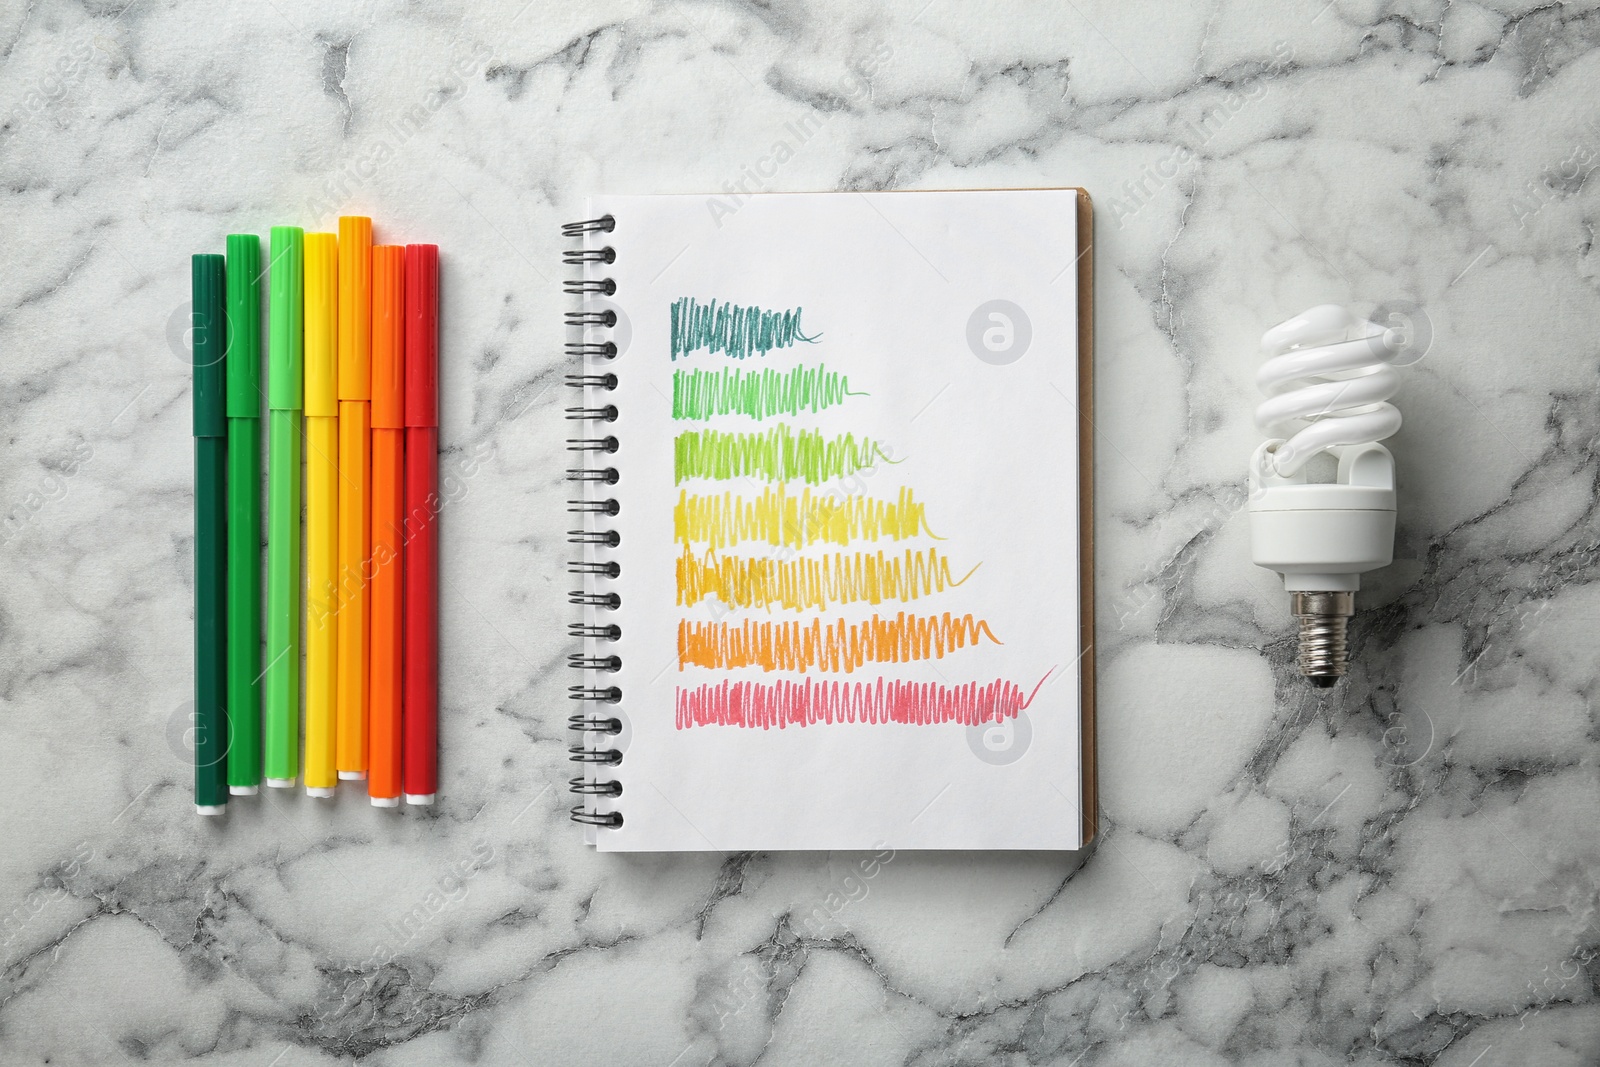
(1328, 381)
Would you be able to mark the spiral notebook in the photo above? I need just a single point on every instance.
(832, 454)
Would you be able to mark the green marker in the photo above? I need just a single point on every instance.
(209, 344)
(244, 514)
(285, 380)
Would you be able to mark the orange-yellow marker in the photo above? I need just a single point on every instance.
(355, 490)
(322, 508)
(388, 521)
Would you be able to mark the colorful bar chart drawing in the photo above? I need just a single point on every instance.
(743, 551)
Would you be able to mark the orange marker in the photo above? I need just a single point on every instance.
(355, 491)
(388, 520)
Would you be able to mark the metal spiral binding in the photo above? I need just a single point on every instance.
(592, 727)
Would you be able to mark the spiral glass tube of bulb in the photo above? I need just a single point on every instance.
(1328, 380)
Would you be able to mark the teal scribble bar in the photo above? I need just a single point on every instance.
(760, 394)
(778, 455)
(731, 329)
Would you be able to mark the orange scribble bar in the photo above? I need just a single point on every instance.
(799, 584)
(838, 646)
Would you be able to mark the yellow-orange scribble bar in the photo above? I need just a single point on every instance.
(780, 518)
(800, 584)
(839, 646)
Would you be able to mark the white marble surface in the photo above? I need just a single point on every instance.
(1400, 871)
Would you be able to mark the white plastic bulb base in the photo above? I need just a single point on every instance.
(1321, 537)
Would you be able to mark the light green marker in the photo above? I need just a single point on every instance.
(285, 388)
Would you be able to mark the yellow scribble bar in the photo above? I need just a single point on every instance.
(839, 646)
(786, 520)
(801, 584)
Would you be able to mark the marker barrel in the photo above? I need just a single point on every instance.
(285, 397)
(420, 754)
(388, 546)
(210, 725)
(322, 605)
(244, 606)
(210, 626)
(282, 734)
(244, 513)
(355, 493)
(355, 594)
(322, 509)
(388, 524)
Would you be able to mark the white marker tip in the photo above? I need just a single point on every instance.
(243, 790)
(211, 809)
(419, 798)
(319, 792)
(281, 783)
(386, 802)
(352, 776)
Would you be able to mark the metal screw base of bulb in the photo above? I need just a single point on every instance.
(1324, 647)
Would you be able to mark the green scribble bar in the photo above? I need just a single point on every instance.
(760, 394)
(778, 455)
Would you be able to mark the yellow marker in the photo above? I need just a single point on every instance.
(355, 491)
(322, 508)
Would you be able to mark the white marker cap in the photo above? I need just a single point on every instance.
(352, 776)
(211, 809)
(419, 798)
(386, 802)
(319, 792)
(281, 783)
(244, 790)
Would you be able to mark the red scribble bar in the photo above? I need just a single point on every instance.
(782, 704)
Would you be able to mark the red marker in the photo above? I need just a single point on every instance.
(419, 767)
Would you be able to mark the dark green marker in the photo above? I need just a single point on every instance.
(209, 344)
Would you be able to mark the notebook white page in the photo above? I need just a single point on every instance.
(953, 319)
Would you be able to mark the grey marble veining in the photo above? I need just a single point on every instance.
(1402, 870)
